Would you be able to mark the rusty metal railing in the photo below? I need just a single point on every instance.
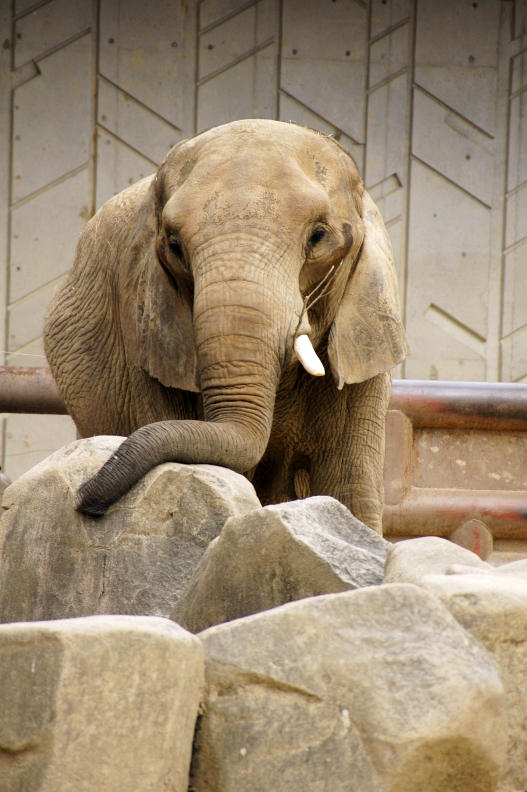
(24, 389)
(455, 409)
(461, 405)
(453, 405)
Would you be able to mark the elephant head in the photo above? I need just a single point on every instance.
(263, 247)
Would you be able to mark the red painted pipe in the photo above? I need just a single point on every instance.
(27, 389)
(462, 405)
(453, 405)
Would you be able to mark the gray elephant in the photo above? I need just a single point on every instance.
(194, 298)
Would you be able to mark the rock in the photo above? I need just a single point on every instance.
(104, 703)
(279, 554)
(493, 609)
(58, 563)
(375, 690)
(462, 569)
(5, 482)
(515, 568)
(410, 560)
(474, 536)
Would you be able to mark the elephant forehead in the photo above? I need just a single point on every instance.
(263, 186)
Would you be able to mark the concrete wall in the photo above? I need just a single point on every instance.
(429, 95)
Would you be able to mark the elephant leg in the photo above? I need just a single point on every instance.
(348, 458)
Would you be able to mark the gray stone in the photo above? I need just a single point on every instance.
(514, 568)
(5, 482)
(492, 607)
(137, 558)
(375, 690)
(279, 554)
(408, 561)
(104, 703)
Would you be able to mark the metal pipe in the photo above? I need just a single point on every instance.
(25, 389)
(462, 405)
(437, 512)
(450, 405)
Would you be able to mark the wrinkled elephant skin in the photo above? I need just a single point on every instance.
(239, 308)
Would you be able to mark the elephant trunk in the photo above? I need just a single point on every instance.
(240, 354)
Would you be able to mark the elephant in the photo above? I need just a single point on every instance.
(207, 302)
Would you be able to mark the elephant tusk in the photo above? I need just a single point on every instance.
(308, 357)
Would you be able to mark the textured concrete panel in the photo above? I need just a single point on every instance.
(31, 354)
(514, 355)
(315, 68)
(515, 289)
(387, 13)
(456, 56)
(26, 317)
(55, 106)
(31, 438)
(239, 34)
(392, 206)
(212, 11)
(448, 266)
(134, 123)
(389, 55)
(247, 90)
(44, 232)
(517, 173)
(23, 5)
(519, 72)
(451, 147)
(516, 226)
(141, 50)
(118, 166)
(48, 27)
(386, 132)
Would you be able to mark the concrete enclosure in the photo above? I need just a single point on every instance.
(430, 96)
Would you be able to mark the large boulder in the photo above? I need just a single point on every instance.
(104, 703)
(514, 568)
(56, 562)
(493, 609)
(410, 560)
(374, 690)
(279, 554)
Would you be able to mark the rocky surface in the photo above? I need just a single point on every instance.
(279, 554)
(492, 607)
(474, 536)
(5, 482)
(373, 690)
(104, 703)
(514, 568)
(409, 561)
(58, 563)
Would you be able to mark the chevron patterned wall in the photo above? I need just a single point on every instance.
(430, 96)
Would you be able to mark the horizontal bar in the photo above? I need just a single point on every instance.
(438, 512)
(452, 405)
(462, 405)
(27, 389)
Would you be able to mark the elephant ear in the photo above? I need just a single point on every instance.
(166, 347)
(367, 336)
(156, 324)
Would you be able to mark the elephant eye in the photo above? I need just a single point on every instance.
(175, 247)
(317, 235)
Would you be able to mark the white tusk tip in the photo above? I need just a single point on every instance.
(308, 357)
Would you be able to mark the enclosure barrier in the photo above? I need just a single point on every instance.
(456, 452)
(450, 405)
